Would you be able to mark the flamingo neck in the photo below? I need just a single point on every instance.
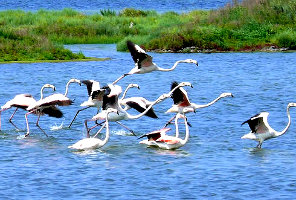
(107, 131)
(124, 93)
(41, 92)
(67, 88)
(206, 105)
(186, 129)
(170, 69)
(288, 125)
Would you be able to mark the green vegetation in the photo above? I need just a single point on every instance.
(249, 25)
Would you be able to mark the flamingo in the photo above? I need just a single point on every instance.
(181, 101)
(161, 140)
(144, 64)
(95, 97)
(261, 130)
(22, 101)
(48, 106)
(93, 142)
(138, 103)
(110, 100)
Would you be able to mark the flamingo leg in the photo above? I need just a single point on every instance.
(76, 116)
(89, 129)
(37, 124)
(169, 122)
(10, 119)
(100, 130)
(124, 126)
(27, 122)
(259, 145)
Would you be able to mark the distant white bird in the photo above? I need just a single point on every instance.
(144, 64)
(260, 129)
(95, 97)
(93, 142)
(161, 140)
(48, 106)
(22, 101)
(181, 101)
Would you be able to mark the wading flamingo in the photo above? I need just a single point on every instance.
(94, 142)
(95, 97)
(110, 100)
(260, 129)
(161, 140)
(144, 64)
(181, 101)
(22, 101)
(48, 106)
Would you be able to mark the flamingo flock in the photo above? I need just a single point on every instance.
(112, 106)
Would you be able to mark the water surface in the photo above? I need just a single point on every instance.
(214, 164)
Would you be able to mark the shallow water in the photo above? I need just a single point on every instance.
(91, 6)
(214, 164)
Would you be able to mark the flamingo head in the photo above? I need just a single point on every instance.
(134, 85)
(182, 84)
(292, 105)
(226, 94)
(190, 61)
(74, 80)
(50, 86)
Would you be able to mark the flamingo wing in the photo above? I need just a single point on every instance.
(98, 94)
(140, 57)
(140, 106)
(88, 84)
(179, 96)
(257, 123)
(52, 111)
(155, 135)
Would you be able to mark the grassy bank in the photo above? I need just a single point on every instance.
(250, 25)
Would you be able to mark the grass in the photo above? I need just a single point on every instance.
(249, 25)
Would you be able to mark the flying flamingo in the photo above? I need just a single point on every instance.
(22, 101)
(161, 140)
(138, 103)
(181, 101)
(48, 106)
(144, 64)
(93, 142)
(110, 100)
(260, 129)
(95, 97)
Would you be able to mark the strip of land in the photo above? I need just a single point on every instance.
(251, 25)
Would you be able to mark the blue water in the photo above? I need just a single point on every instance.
(90, 6)
(214, 164)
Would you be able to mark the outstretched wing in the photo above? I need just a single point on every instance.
(135, 105)
(257, 123)
(140, 57)
(88, 84)
(179, 95)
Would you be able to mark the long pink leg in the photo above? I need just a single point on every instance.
(10, 119)
(37, 124)
(89, 129)
(124, 126)
(28, 128)
(100, 130)
(76, 116)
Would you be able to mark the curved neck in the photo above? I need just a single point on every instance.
(41, 92)
(125, 91)
(170, 69)
(288, 125)
(186, 129)
(143, 113)
(107, 131)
(206, 105)
(67, 87)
